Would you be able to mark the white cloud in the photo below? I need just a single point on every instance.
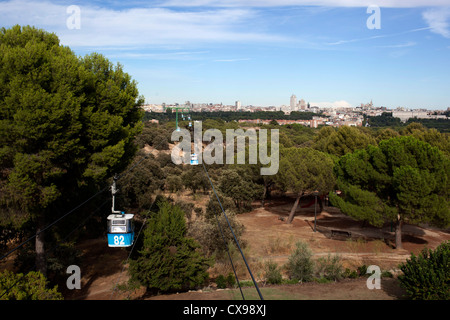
(438, 20)
(333, 105)
(108, 27)
(327, 3)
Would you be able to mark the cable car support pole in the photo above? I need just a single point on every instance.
(113, 192)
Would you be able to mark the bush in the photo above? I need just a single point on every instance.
(329, 268)
(351, 274)
(300, 265)
(231, 280)
(224, 282)
(221, 282)
(272, 273)
(427, 276)
(32, 286)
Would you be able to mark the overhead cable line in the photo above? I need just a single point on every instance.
(234, 236)
(53, 223)
(232, 232)
(71, 211)
(53, 248)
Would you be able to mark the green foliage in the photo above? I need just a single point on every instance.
(168, 259)
(272, 273)
(32, 286)
(194, 179)
(173, 183)
(431, 136)
(402, 177)
(221, 282)
(427, 276)
(138, 185)
(329, 267)
(236, 184)
(205, 231)
(384, 120)
(233, 116)
(342, 141)
(351, 274)
(213, 207)
(66, 123)
(305, 169)
(225, 282)
(300, 265)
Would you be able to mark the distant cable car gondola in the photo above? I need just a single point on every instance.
(194, 159)
(120, 226)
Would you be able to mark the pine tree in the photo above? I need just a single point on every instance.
(168, 259)
(66, 124)
(401, 180)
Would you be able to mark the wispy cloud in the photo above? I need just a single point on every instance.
(327, 3)
(438, 20)
(400, 45)
(140, 26)
(231, 60)
(376, 37)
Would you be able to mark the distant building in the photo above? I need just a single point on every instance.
(293, 103)
(405, 115)
(238, 105)
(302, 104)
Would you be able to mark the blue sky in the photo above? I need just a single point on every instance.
(262, 51)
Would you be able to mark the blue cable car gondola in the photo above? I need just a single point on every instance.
(120, 226)
(120, 230)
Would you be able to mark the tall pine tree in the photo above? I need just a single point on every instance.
(168, 259)
(66, 124)
(401, 180)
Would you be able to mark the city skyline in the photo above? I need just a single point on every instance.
(261, 52)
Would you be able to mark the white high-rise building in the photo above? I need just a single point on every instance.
(293, 103)
(238, 105)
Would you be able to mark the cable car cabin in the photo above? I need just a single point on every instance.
(194, 159)
(120, 230)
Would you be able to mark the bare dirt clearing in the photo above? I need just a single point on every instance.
(268, 237)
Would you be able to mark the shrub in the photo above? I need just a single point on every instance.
(427, 276)
(351, 274)
(224, 282)
(221, 282)
(300, 265)
(362, 271)
(272, 273)
(329, 268)
(231, 280)
(32, 286)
